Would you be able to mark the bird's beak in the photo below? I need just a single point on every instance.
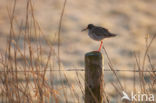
(84, 29)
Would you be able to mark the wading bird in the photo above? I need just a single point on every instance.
(98, 33)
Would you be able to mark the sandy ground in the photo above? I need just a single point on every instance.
(130, 19)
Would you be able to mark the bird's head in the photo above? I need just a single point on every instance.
(90, 26)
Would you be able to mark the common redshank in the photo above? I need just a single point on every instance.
(98, 33)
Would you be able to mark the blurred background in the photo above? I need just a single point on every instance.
(133, 20)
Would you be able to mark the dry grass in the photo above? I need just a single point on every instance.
(27, 67)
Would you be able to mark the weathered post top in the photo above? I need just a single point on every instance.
(93, 77)
(94, 53)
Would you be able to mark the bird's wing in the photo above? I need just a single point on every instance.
(99, 31)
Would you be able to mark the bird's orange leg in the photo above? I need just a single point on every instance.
(100, 46)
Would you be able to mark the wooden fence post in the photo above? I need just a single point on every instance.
(93, 77)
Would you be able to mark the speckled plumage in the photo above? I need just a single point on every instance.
(98, 33)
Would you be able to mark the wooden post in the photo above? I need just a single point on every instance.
(93, 77)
